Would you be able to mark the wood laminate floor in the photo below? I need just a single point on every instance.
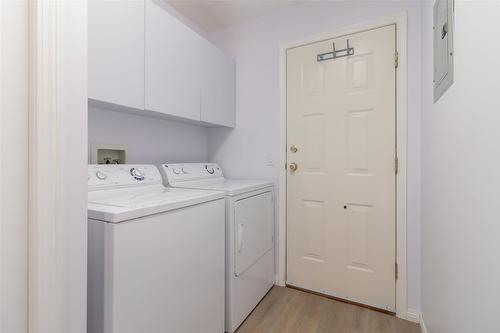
(286, 310)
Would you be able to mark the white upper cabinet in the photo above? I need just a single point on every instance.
(143, 58)
(218, 87)
(116, 52)
(172, 65)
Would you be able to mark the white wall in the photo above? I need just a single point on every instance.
(461, 182)
(14, 158)
(254, 144)
(72, 178)
(150, 140)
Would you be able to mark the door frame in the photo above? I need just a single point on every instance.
(401, 21)
(57, 210)
(14, 92)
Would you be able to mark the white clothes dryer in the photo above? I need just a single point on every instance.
(250, 271)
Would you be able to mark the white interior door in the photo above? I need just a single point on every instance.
(341, 199)
(14, 166)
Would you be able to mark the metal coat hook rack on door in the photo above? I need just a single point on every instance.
(348, 51)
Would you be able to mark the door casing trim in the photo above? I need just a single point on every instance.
(401, 22)
(57, 226)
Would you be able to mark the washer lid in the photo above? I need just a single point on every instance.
(119, 205)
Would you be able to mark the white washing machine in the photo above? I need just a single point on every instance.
(155, 254)
(250, 269)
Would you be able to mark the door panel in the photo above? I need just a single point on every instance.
(253, 228)
(172, 68)
(218, 76)
(116, 52)
(341, 199)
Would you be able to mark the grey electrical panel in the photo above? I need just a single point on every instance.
(443, 46)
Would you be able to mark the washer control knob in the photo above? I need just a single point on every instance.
(210, 170)
(137, 174)
(101, 175)
(176, 171)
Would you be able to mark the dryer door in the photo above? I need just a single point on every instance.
(253, 218)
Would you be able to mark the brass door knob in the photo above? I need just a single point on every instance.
(293, 166)
(294, 148)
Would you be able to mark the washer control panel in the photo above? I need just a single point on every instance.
(180, 172)
(137, 173)
(121, 175)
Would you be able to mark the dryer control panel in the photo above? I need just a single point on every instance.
(181, 172)
(107, 176)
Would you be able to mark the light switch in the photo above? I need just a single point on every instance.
(269, 160)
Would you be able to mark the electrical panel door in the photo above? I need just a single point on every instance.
(443, 47)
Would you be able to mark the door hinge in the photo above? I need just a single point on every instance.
(396, 165)
(396, 59)
(396, 270)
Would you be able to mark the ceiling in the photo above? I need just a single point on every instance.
(215, 15)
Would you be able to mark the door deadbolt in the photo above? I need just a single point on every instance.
(293, 166)
(294, 148)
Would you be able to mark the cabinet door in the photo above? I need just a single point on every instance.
(116, 52)
(218, 89)
(172, 65)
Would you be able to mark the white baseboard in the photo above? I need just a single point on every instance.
(422, 325)
(413, 315)
(278, 282)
